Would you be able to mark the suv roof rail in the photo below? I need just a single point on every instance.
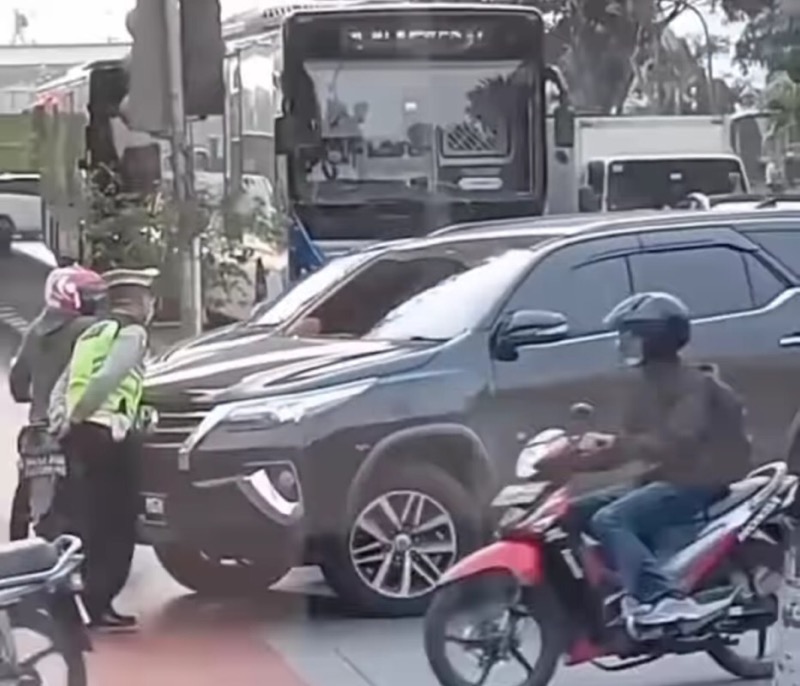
(702, 201)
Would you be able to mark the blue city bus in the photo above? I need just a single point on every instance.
(376, 121)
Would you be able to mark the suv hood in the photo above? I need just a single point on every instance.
(209, 343)
(261, 364)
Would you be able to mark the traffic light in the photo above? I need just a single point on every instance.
(203, 54)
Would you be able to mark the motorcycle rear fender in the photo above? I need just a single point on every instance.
(521, 559)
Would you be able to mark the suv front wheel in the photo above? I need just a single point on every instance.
(410, 525)
(6, 236)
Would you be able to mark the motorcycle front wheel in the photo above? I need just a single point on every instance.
(506, 638)
(36, 651)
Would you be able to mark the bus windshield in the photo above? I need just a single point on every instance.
(414, 119)
(408, 129)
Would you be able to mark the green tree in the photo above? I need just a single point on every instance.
(783, 100)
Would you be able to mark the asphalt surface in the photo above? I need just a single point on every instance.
(298, 636)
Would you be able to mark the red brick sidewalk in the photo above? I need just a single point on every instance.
(198, 656)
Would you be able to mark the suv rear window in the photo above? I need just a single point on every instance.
(784, 246)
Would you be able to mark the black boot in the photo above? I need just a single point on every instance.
(111, 621)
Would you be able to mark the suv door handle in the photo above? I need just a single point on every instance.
(792, 340)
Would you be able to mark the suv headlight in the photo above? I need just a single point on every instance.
(274, 410)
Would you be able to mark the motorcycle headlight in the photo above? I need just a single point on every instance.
(275, 410)
(539, 446)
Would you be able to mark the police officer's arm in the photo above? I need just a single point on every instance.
(20, 376)
(126, 354)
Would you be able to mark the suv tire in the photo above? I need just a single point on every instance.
(6, 235)
(426, 492)
(209, 577)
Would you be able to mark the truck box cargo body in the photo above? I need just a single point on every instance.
(622, 163)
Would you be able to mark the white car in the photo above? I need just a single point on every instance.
(20, 209)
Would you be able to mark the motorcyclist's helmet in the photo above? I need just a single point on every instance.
(75, 290)
(650, 327)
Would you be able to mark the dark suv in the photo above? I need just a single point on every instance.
(377, 441)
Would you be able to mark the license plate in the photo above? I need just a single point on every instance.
(519, 494)
(46, 465)
(154, 507)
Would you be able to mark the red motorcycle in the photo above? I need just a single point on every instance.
(542, 575)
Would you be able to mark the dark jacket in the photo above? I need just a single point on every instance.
(42, 356)
(686, 423)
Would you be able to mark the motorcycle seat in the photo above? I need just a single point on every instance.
(28, 556)
(737, 493)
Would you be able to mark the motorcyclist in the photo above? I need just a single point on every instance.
(73, 297)
(688, 426)
(94, 409)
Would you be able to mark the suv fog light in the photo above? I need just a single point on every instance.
(286, 482)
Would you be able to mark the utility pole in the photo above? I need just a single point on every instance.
(189, 258)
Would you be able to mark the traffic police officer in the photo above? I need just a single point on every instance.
(94, 410)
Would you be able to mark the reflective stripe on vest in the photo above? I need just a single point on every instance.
(89, 354)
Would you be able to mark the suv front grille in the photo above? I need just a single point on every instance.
(173, 428)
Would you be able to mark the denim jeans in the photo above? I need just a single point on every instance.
(627, 524)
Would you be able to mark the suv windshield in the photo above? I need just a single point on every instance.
(431, 294)
(309, 289)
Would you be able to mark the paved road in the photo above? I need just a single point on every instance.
(299, 636)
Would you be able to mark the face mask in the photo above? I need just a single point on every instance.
(629, 348)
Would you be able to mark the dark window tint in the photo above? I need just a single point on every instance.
(19, 186)
(710, 281)
(584, 293)
(765, 285)
(784, 246)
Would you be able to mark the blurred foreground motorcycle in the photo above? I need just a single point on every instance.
(541, 576)
(42, 623)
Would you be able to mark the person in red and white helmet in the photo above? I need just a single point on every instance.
(74, 296)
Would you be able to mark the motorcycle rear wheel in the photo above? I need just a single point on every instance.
(467, 597)
(750, 669)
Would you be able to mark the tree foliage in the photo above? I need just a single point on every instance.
(137, 231)
(605, 46)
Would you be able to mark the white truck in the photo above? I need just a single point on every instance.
(638, 162)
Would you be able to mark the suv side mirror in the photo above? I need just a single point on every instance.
(528, 327)
(588, 200)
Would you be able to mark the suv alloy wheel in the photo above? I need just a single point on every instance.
(410, 524)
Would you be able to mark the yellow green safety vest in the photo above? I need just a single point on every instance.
(90, 352)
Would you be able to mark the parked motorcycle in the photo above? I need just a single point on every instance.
(542, 575)
(39, 595)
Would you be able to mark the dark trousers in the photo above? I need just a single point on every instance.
(102, 507)
(19, 525)
(627, 524)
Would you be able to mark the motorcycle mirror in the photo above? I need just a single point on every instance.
(581, 411)
(581, 414)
